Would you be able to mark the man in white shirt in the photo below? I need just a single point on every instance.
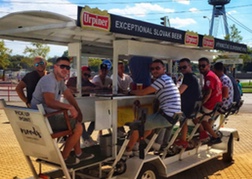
(102, 80)
(124, 81)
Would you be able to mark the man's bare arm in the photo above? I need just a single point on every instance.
(144, 91)
(206, 95)
(55, 104)
(70, 98)
(20, 91)
(182, 88)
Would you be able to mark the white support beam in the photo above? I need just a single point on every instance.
(38, 28)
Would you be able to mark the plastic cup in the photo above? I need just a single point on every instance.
(139, 86)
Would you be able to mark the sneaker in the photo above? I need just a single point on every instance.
(89, 142)
(136, 147)
(214, 141)
(156, 146)
(180, 143)
(128, 153)
(203, 136)
(85, 156)
(121, 132)
(70, 161)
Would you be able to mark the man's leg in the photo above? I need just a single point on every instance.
(134, 138)
(184, 131)
(85, 134)
(73, 141)
(91, 128)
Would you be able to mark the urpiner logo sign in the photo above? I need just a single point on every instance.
(95, 20)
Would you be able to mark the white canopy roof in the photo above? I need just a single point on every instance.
(51, 28)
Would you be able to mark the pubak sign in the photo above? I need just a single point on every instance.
(208, 42)
(94, 19)
(191, 38)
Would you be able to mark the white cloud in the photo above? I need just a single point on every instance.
(186, 2)
(194, 10)
(178, 22)
(58, 6)
(140, 10)
(232, 12)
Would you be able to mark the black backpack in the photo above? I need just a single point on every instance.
(237, 95)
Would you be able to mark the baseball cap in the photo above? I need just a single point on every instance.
(103, 66)
(85, 68)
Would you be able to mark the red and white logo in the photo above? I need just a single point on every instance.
(208, 42)
(95, 20)
(191, 39)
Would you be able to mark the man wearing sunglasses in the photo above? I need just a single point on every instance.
(102, 80)
(169, 103)
(87, 85)
(30, 80)
(227, 86)
(87, 88)
(190, 93)
(212, 94)
(48, 93)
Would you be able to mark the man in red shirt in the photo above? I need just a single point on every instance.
(212, 94)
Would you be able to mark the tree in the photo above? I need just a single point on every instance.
(234, 35)
(38, 49)
(65, 54)
(4, 55)
(94, 63)
(15, 62)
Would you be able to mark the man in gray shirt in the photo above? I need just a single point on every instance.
(48, 92)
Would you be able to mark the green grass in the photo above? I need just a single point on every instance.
(246, 87)
(246, 84)
(247, 90)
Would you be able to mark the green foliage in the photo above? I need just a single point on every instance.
(246, 84)
(247, 57)
(65, 54)
(15, 62)
(4, 55)
(38, 49)
(234, 35)
(27, 63)
(94, 63)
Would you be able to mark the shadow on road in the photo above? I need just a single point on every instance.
(204, 170)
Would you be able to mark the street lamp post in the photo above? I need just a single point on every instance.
(209, 23)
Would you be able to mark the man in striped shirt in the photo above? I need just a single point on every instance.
(169, 102)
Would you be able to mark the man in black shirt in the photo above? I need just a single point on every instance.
(30, 80)
(190, 93)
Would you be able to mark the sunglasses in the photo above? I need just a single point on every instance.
(39, 63)
(202, 66)
(155, 68)
(85, 74)
(182, 67)
(64, 66)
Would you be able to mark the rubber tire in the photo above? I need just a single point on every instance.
(148, 171)
(228, 157)
(219, 134)
(122, 167)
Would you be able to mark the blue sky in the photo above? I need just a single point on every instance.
(183, 14)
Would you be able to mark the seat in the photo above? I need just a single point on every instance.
(61, 133)
(36, 138)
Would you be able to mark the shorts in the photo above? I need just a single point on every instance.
(205, 110)
(155, 121)
(58, 123)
